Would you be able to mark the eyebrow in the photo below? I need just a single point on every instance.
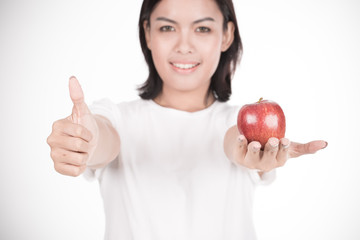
(195, 22)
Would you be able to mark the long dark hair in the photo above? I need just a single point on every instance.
(221, 80)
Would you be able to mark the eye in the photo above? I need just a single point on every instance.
(203, 29)
(167, 29)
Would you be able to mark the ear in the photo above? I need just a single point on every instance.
(146, 27)
(228, 37)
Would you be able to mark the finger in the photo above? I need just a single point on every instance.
(67, 127)
(252, 158)
(298, 149)
(282, 154)
(268, 160)
(241, 149)
(76, 92)
(64, 156)
(315, 146)
(77, 97)
(69, 170)
(69, 143)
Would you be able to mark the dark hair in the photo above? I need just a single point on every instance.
(221, 80)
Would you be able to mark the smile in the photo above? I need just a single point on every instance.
(185, 66)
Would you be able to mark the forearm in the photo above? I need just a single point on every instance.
(230, 143)
(107, 146)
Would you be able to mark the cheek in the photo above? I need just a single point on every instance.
(209, 45)
(160, 48)
(212, 54)
(159, 51)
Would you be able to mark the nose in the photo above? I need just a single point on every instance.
(184, 43)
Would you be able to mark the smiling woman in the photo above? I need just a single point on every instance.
(174, 165)
(186, 32)
(185, 57)
(296, 52)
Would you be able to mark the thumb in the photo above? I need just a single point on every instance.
(77, 97)
(298, 149)
(76, 92)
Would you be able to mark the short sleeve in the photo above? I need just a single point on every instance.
(232, 116)
(109, 110)
(266, 178)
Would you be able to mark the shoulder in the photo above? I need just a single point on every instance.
(134, 105)
(117, 113)
(227, 111)
(226, 107)
(109, 105)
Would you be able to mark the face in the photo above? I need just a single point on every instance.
(186, 39)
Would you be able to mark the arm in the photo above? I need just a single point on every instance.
(82, 139)
(108, 145)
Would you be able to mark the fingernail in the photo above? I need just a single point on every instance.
(241, 138)
(326, 144)
(256, 148)
(285, 146)
(273, 143)
(285, 143)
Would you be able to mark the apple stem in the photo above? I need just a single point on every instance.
(260, 100)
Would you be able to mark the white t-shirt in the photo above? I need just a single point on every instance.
(172, 179)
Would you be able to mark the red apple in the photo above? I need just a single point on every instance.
(261, 120)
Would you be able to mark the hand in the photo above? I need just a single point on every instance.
(73, 139)
(275, 154)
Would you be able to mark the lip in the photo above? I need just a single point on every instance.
(175, 66)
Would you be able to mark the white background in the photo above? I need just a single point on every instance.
(303, 54)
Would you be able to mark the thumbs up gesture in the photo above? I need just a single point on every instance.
(73, 139)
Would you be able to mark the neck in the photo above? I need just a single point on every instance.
(189, 101)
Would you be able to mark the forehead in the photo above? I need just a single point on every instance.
(187, 9)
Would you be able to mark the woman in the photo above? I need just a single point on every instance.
(172, 165)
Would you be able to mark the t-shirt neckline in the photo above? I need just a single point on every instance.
(159, 107)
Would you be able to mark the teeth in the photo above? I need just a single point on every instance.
(185, 66)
